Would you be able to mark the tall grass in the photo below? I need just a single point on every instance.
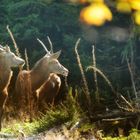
(68, 112)
(85, 84)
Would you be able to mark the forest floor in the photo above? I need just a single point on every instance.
(62, 132)
(69, 121)
(30, 131)
(56, 133)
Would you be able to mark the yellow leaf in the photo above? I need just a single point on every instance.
(137, 17)
(92, 16)
(122, 0)
(135, 4)
(90, 1)
(107, 12)
(98, 1)
(123, 7)
(95, 14)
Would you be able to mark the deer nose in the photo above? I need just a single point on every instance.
(66, 72)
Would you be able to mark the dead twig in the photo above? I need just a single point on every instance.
(29, 91)
(95, 74)
(132, 78)
(14, 42)
(82, 73)
(111, 86)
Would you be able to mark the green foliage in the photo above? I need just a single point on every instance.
(69, 111)
(134, 135)
(29, 19)
(87, 127)
(15, 127)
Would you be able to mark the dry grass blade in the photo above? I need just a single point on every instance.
(132, 78)
(82, 72)
(95, 74)
(66, 82)
(14, 42)
(27, 61)
(111, 86)
(103, 75)
(29, 91)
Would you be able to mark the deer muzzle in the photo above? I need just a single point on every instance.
(22, 62)
(65, 72)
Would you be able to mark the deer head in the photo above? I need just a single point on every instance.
(51, 60)
(54, 65)
(9, 58)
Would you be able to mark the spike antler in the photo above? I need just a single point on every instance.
(1, 50)
(51, 46)
(1, 46)
(5, 48)
(43, 45)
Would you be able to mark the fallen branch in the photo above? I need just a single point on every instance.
(116, 94)
(114, 114)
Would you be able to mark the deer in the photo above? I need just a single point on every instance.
(7, 60)
(34, 78)
(48, 91)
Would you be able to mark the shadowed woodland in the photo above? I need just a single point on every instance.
(81, 75)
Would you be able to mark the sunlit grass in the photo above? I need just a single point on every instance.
(69, 120)
(16, 127)
(68, 112)
(134, 135)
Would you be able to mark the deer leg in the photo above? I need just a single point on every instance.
(3, 98)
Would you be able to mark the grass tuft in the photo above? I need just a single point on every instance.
(69, 111)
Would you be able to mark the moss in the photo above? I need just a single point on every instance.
(134, 135)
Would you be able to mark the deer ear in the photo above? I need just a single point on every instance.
(7, 49)
(1, 46)
(55, 55)
(1, 50)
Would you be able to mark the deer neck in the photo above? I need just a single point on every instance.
(4, 68)
(38, 77)
(5, 76)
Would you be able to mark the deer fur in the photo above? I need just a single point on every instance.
(48, 91)
(31, 80)
(7, 60)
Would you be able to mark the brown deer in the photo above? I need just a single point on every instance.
(7, 60)
(48, 91)
(33, 79)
